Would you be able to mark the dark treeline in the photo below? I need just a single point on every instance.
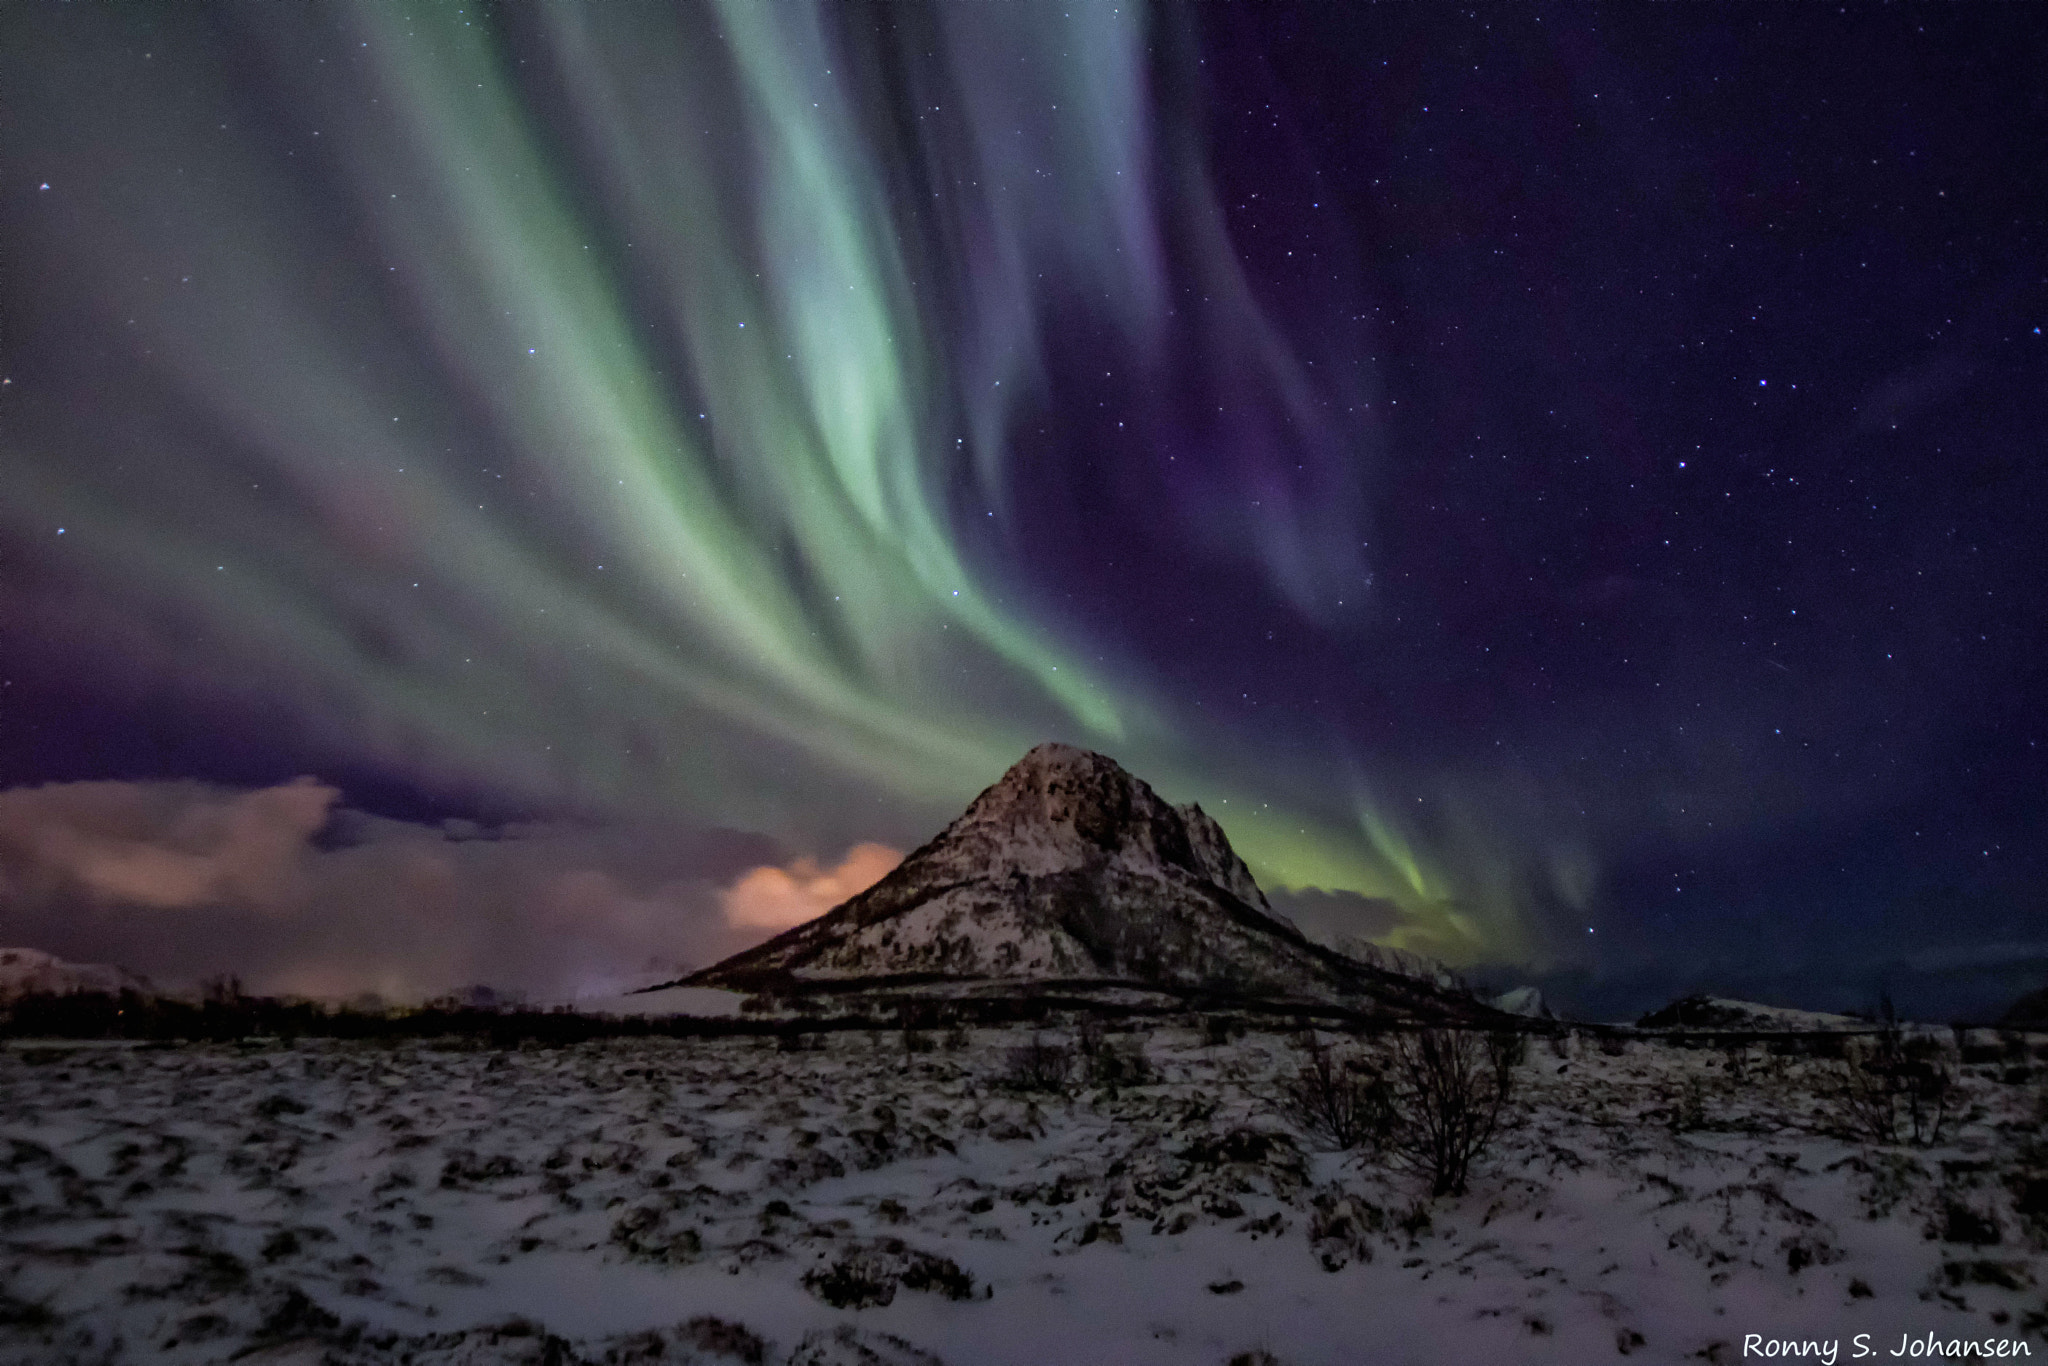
(133, 1015)
(228, 1014)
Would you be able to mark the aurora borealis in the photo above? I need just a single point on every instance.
(1566, 503)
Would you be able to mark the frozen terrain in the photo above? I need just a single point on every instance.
(743, 1199)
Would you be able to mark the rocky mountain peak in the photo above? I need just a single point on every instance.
(1060, 808)
(1071, 796)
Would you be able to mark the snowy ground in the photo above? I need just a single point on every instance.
(419, 1202)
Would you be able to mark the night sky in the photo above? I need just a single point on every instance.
(508, 493)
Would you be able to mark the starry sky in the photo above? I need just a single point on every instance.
(539, 494)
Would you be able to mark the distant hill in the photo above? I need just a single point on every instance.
(1070, 870)
(1719, 1012)
(2029, 1011)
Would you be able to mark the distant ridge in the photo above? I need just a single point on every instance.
(1070, 870)
(26, 972)
(1719, 1012)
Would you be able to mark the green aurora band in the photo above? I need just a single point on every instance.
(610, 447)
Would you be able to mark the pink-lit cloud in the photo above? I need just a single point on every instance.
(776, 898)
(296, 893)
(162, 845)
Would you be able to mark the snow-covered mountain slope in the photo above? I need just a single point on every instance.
(1071, 869)
(25, 972)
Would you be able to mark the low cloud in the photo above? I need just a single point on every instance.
(162, 845)
(776, 898)
(296, 893)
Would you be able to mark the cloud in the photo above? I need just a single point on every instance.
(775, 898)
(161, 845)
(297, 893)
(1331, 917)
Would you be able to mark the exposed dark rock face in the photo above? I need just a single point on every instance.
(1070, 869)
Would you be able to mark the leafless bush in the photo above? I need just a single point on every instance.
(1219, 1030)
(870, 1276)
(1120, 1065)
(1891, 1089)
(914, 1018)
(1688, 1107)
(1452, 1089)
(1039, 1066)
(1342, 1101)
(1107, 1062)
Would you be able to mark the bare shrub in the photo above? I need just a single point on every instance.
(1038, 1066)
(1452, 1088)
(913, 1018)
(1106, 1062)
(1116, 1065)
(851, 1283)
(1341, 1228)
(869, 1276)
(721, 1338)
(1891, 1089)
(1956, 1221)
(1341, 1101)
(1688, 1107)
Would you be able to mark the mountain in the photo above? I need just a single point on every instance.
(1071, 870)
(26, 972)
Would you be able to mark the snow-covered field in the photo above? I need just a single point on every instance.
(681, 1201)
